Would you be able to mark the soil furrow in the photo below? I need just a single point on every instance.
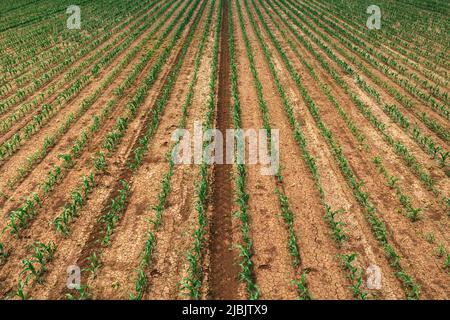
(223, 268)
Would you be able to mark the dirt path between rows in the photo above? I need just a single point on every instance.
(223, 269)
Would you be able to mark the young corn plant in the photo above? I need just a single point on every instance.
(140, 285)
(67, 160)
(302, 287)
(413, 213)
(31, 271)
(100, 162)
(443, 158)
(440, 250)
(413, 289)
(4, 254)
(446, 265)
(94, 264)
(354, 275)
(288, 218)
(193, 283)
(20, 292)
(392, 181)
(430, 238)
(35, 266)
(19, 219)
(53, 178)
(114, 213)
(336, 226)
(83, 294)
(44, 253)
(71, 209)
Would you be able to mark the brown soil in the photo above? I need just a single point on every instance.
(272, 269)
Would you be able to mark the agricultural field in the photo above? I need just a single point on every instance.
(98, 100)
